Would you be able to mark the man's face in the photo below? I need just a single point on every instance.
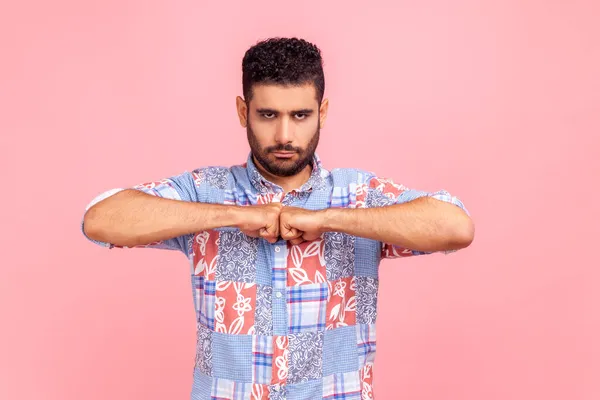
(283, 125)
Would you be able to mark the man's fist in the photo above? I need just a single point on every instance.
(298, 224)
(261, 221)
(273, 220)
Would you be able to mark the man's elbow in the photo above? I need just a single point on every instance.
(95, 225)
(463, 234)
(91, 224)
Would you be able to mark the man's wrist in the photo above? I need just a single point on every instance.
(333, 219)
(234, 216)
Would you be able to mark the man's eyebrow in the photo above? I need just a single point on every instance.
(272, 111)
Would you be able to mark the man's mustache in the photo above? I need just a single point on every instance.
(287, 147)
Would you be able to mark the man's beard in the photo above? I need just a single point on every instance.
(282, 167)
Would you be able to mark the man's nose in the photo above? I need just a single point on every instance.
(285, 131)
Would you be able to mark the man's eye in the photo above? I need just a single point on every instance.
(301, 116)
(268, 115)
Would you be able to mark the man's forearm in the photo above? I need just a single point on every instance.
(424, 224)
(131, 218)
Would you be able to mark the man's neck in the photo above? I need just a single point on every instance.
(288, 183)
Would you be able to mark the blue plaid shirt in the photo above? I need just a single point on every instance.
(282, 321)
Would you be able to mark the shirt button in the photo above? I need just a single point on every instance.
(278, 294)
(277, 249)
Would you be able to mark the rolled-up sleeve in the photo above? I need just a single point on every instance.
(379, 192)
(180, 187)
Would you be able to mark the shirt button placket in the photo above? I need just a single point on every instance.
(279, 281)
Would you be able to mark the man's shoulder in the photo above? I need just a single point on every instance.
(346, 176)
(217, 176)
(221, 169)
(215, 169)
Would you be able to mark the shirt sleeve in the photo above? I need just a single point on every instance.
(380, 192)
(180, 187)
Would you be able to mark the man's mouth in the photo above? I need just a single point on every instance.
(284, 154)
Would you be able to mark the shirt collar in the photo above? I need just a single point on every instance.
(263, 185)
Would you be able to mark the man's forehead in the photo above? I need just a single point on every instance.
(284, 97)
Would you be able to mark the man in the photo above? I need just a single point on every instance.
(284, 254)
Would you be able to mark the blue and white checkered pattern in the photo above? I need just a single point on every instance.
(344, 386)
(310, 389)
(207, 303)
(224, 389)
(342, 197)
(279, 254)
(262, 356)
(366, 343)
(232, 356)
(322, 364)
(339, 350)
(307, 307)
(198, 293)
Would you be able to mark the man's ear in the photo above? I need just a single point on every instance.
(242, 111)
(323, 112)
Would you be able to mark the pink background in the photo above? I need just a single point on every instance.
(497, 102)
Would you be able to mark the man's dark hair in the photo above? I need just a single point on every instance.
(283, 61)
